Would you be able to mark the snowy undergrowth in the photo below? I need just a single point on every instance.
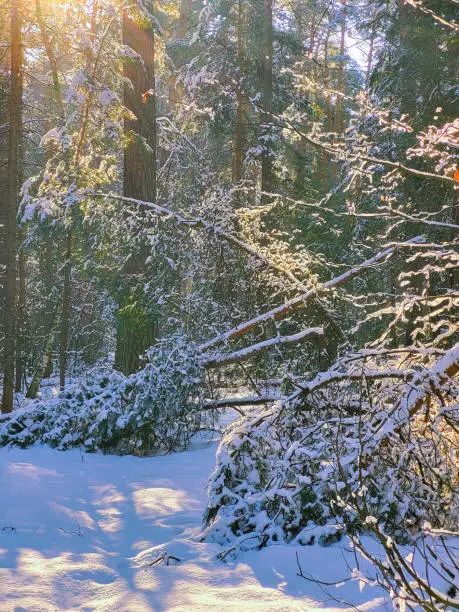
(153, 410)
(282, 476)
(351, 460)
(102, 532)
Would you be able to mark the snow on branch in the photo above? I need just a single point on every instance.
(384, 212)
(200, 224)
(247, 352)
(299, 302)
(447, 367)
(327, 378)
(359, 157)
(418, 4)
(420, 385)
(232, 402)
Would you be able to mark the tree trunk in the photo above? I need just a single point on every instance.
(324, 162)
(176, 90)
(66, 287)
(339, 115)
(370, 56)
(15, 120)
(407, 26)
(21, 309)
(134, 333)
(240, 136)
(241, 128)
(65, 313)
(140, 152)
(56, 89)
(21, 298)
(267, 173)
(45, 363)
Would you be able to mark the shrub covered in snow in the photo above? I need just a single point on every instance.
(153, 410)
(356, 447)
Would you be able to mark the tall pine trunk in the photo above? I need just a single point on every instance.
(176, 89)
(140, 153)
(65, 312)
(370, 56)
(65, 302)
(324, 163)
(21, 320)
(240, 132)
(15, 121)
(267, 172)
(45, 363)
(20, 356)
(339, 114)
(135, 331)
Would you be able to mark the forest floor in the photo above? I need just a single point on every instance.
(82, 531)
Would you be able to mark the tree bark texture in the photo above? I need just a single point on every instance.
(267, 172)
(15, 121)
(135, 327)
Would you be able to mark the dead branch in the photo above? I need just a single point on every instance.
(200, 224)
(298, 302)
(249, 351)
(232, 402)
(166, 558)
(446, 368)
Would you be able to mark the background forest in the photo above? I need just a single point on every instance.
(246, 204)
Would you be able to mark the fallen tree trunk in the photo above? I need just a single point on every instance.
(249, 351)
(229, 238)
(200, 224)
(298, 302)
(232, 402)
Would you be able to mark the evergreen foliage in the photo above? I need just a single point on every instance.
(225, 195)
(157, 409)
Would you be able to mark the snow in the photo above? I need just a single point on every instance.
(83, 531)
(248, 351)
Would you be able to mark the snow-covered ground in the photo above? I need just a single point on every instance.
(80, 532)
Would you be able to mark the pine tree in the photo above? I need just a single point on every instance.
(10, 244)
(135, 326)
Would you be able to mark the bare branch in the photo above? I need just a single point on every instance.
(419, 5)
(200, 224)
(230, 402)
(299, 302)
(359, 157)
(249, 351)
